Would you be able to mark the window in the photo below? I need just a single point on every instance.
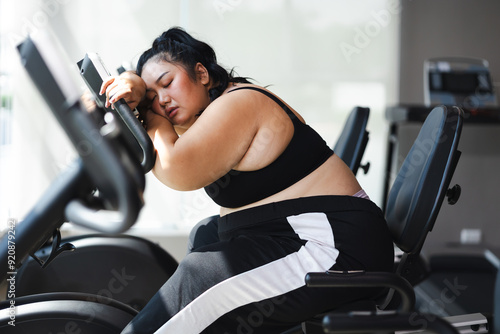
(323, 57)
(5, 131)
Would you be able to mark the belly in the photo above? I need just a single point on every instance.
(333, 177)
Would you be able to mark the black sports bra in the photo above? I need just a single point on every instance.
(305, 152)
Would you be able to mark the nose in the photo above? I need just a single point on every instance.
(164, 99)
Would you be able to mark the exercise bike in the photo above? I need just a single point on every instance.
(102, 190)
(97, 260)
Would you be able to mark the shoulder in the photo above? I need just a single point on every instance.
(241, 100)
(248, 95)
(239, 92)
(260, 99)
(233, 111)
(251, 103)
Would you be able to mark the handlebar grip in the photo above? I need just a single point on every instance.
(93, 72)
(142, 138)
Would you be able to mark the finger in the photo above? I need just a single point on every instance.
(111, 91)
(118, 93)
(105, 84)
(126, 97)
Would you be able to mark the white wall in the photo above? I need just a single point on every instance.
(323, 57)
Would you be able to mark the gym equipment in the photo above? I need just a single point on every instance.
(496, 298)
(99, 258)
(470, 270)
(476, 321)
(94, 72)
(126, 268)
(459, 81)
(351, 144)
(102, 191)
(413, 205)
(466, 82)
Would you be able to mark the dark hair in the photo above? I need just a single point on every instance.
(177, 46)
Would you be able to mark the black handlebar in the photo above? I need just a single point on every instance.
(136, 137)
(390, 322)
(137, 130)
(364, 279)
(116, 174)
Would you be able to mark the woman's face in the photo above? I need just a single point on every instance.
(174, 94)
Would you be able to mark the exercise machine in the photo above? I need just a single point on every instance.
(459, 81)
(414, 202)
(102, 190)
(98, 259)
(351, 144)
(459, 258)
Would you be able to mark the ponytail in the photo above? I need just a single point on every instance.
(177, 46)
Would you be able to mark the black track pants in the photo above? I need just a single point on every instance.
(252, 279)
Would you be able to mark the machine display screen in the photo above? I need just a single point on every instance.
(460, 82)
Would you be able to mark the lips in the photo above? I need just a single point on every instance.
(171, 111)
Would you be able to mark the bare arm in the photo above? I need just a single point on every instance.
(213, 145)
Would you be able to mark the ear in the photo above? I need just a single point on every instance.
(202, 74)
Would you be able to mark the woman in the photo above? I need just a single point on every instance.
(289, 205)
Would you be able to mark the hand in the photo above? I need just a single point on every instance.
(128, 86)
(88, 101)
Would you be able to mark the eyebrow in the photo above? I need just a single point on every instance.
(161, 76)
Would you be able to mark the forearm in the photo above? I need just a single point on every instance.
(164, 137)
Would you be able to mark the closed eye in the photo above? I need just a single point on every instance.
(167, 85)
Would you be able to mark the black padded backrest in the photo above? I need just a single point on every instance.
(352, 141)
(421, 184)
